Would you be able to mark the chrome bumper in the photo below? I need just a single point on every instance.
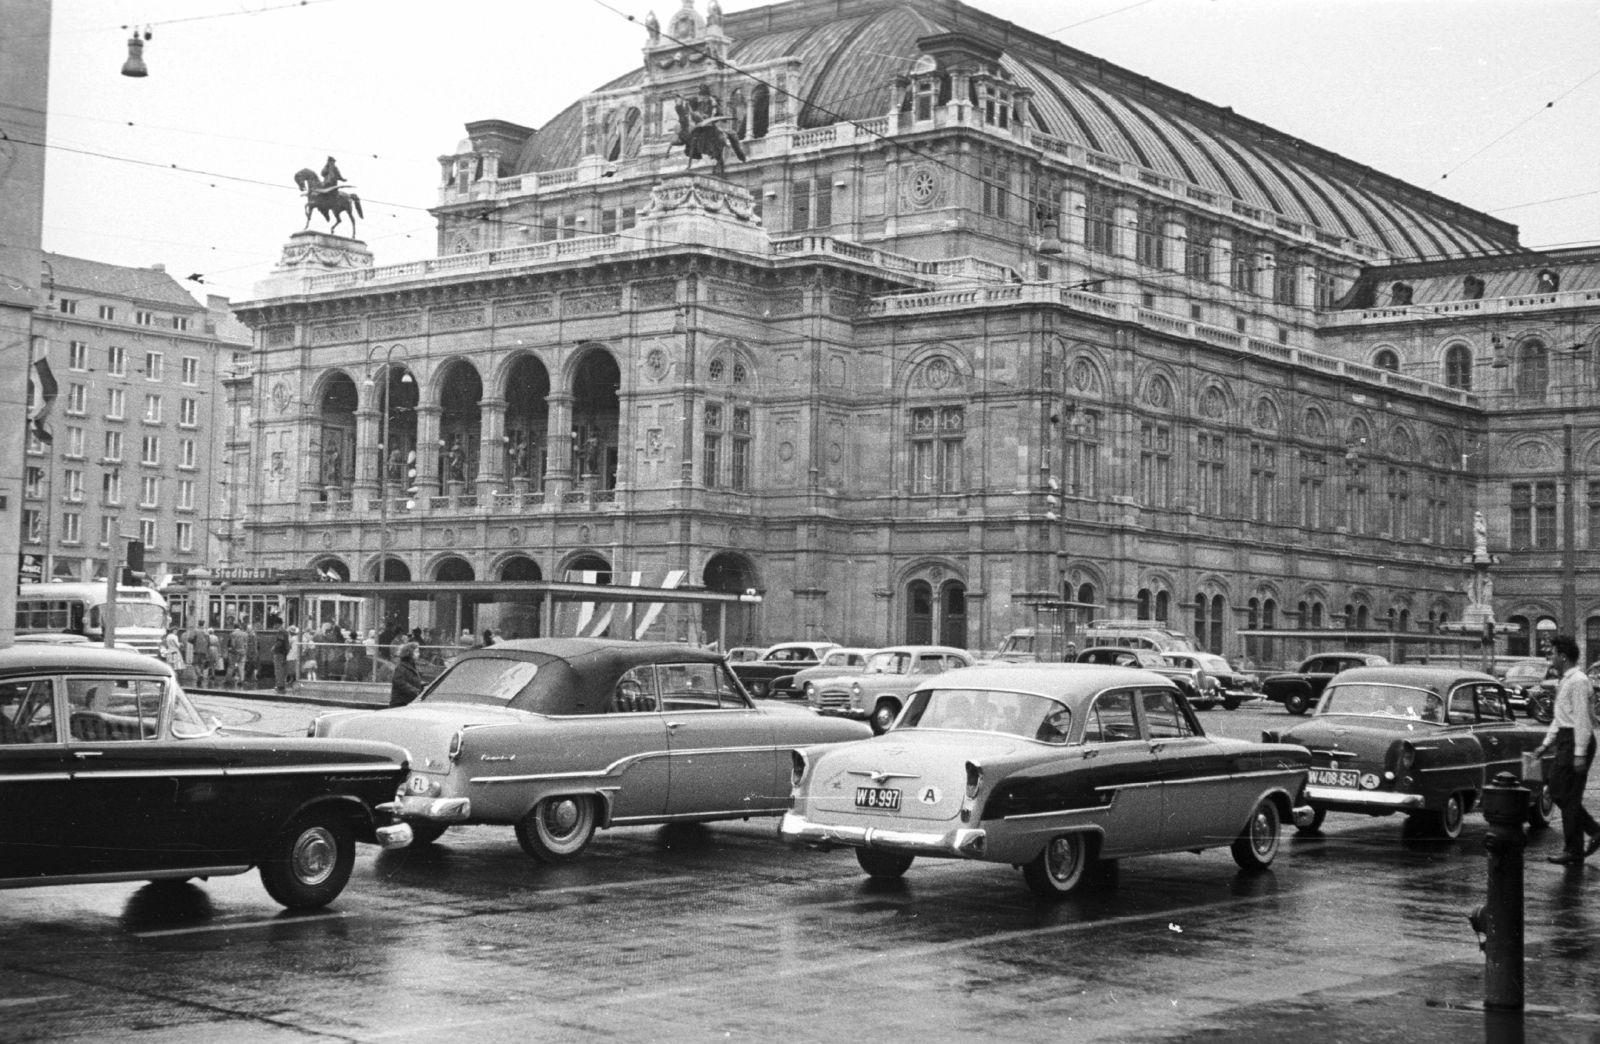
(963, 843)
(1376, 799)
(439, 810)
(397, 836)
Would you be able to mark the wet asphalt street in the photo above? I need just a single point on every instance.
(720, 933)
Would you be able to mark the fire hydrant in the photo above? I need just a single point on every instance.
(1499, 919)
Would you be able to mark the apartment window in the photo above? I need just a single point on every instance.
(150, 450)
(115, 402)
(71, 527)
(77, 399)
(1155, 465)
(113, 446)
(180, 322)
(147, 532)
(117, 361)
(154, 366)
(811, 204)
(186, 494)
(1209, 472)
(152, 409)
(144, 318)
(111, 487)
(74, 483)
(711, 446)
(32, 525)
(74, 442)
(185, 453)
(1313, 477)
(78, 355)
(938, 447)
(739, 472)
(108, 312)
(1099, 222)
(1150, 246)
(996, 180)
(33, 482)
(149, 491)
(35, 443)
(191, 370)
(1083, 455)
(1533, 515)
(108, 530)
(68, 306)
(1284, 288)
(569, 226)
(1399, 503)
(187, 411)
(185, 536)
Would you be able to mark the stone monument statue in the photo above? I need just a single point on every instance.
(1480, 535)
(701, 131)
(324, 195)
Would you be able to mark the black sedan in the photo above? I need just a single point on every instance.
(107, 773)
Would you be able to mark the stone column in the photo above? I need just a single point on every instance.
(1073, 214)
(1124, 228)
(427, 450)
(368, 456)
(558, 475)
(491, 448)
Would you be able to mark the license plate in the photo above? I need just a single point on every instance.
(878, 797)
(1336, 778)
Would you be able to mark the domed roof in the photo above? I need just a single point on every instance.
(852, 50)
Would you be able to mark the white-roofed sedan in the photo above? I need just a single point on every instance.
(1049, 767)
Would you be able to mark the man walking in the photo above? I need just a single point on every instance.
(1572, 736)
(281, 647)
(238, 649)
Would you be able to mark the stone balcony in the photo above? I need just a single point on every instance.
(1433, 311)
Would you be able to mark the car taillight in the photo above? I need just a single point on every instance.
(974, 777)
(311, 730)
(455, 745)
(797, 768)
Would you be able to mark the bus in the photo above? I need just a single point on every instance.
(77, 608)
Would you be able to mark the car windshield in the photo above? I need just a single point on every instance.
(889, 663)
(988, 710)
(1383, 701)
(1213, 663)
(486, 680)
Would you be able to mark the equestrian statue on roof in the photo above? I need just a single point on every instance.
(701, 131)
(324, 195)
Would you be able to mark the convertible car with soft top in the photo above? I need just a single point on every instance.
(1049, 767)
(557, 737)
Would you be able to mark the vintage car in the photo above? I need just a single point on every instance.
(1049, 767)
(836, 663)
(1300, 689)
(1531, 686)
(557, 737)
(107, 773)
(772, 673)
(1235, 686)
(1200, 690)
(1422, 741)
(744, 653)
(877, 693)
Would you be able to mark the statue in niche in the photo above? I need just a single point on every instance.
(591, 453)
(1480, 535)
(396, 467)
(456, 461)
(332, 465)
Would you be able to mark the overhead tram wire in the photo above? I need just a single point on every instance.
(1521, 124)
(168, 21)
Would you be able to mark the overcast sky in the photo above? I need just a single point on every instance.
(1416, 88)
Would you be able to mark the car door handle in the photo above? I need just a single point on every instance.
(1156, 747)
(1091, 752)
(674, 724)
(87, 753)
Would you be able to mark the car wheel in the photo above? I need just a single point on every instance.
(424, 832)
(1541, 808)
(309, 863)
(1257, 845)
(1295, 703)
(883, 864)
(1059, 867)
(557, 828)
(1441, 824)
(883, 716)
(1230, 704)
(1314, 824)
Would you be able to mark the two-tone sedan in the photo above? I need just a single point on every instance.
(557, 737)
(876, 693)
(107, 773)
(1421, 741)
(1048, 767)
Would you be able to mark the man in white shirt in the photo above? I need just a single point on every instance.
(1572, 736)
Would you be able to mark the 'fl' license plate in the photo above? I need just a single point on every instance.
(878, 797)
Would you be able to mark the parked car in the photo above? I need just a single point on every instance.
(772, 674)
(877, 693)
(1235, 686)
(1136, 634)
(1299, 690)
(1050, 767)
(558, 737)
(1191, 681)
(1416, 740)
(108, 773)
(836, 663)
(744, 653)
(1531, 685)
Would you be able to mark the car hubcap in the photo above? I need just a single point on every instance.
(1261, 833)
(315, 854)
(563, 816)
(1063, 860)
(1452, 814)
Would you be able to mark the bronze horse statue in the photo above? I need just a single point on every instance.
(328, 200)
(700, 132)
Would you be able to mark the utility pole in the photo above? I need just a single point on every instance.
(108, 612)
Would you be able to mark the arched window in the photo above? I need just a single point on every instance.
(919, 613)
(1086, 595)
(1363, 619)
(953, 614)
(1252, 646)
(1163, 607)
(1219, 609)
(1516, 632)
(1458, 366)
(1387, 359)
(1316, 614)
(728, 573)
(1200, 603)
(1533, 368)
(760, 110)
(1349, 616)
(1143, 611)
(1269, 621)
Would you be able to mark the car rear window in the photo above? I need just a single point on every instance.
(484, 680)
(987, 710)
(1383, 701)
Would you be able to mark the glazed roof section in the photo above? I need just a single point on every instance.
(1519, 276)
(853, 49)
(146, 285)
